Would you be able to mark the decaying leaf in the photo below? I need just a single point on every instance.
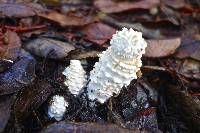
(16, 10)
(190, 68)
(175, 3)
(98, 33)
(190, 48)
(87, 128)
(21, 74)
(10, 49)
(5, 65)
(5, 109)
(110, 6)
(64, 20)
(49, 48)
(84, 55)
(149, 33)
(162, 48)
(31, 98)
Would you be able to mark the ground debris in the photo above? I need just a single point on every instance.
(87, 127)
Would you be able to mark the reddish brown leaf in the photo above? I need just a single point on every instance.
(64, 20)
(5, 109)
(190, 48)
(16, 10)
(110, 6)
(11, 47)
(98, 33)
(162, 48)
(31, 98)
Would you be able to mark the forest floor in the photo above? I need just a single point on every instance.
(38, 38)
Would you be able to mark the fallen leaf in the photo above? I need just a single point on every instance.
(21, 74)
(190, 68)
(49, 48)
(190, 48)
(161, 48)
(64, 20)
(87, 128)
(170, 14)
(11, 48)
(83, 55)
(110, 6)
(16, 10)
(175, 3)
(5, 109)
(149, 33)
(31, 98)
(98, 33)
(5, 65)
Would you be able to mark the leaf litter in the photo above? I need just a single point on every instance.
(164, 99)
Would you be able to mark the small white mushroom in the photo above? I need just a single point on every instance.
(117, 66)
(57, 107)
(75, 77)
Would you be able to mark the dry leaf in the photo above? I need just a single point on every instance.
(11, 48)
(87, 128)
(190, 48)
(5, 109)
(49, 48)
(98, 33)
(21, 74)
(110, 6)
(162, 48)
(16, 10)
(175, 3)
(64, 20)
(31, 98)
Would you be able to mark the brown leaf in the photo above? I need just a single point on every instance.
(83, 55)
(110, 6)
(49, 48)
(31, 98)
(190, 48)
(161, 48)
(87, 128)
(64, 20)
(5, 109)
(98, 33)
(190, 68)
(21, 74)
(11, 48)
(15, 10)
(175, 3)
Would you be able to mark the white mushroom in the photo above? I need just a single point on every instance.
(57, 107)
(75, 77)
(117, 66)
